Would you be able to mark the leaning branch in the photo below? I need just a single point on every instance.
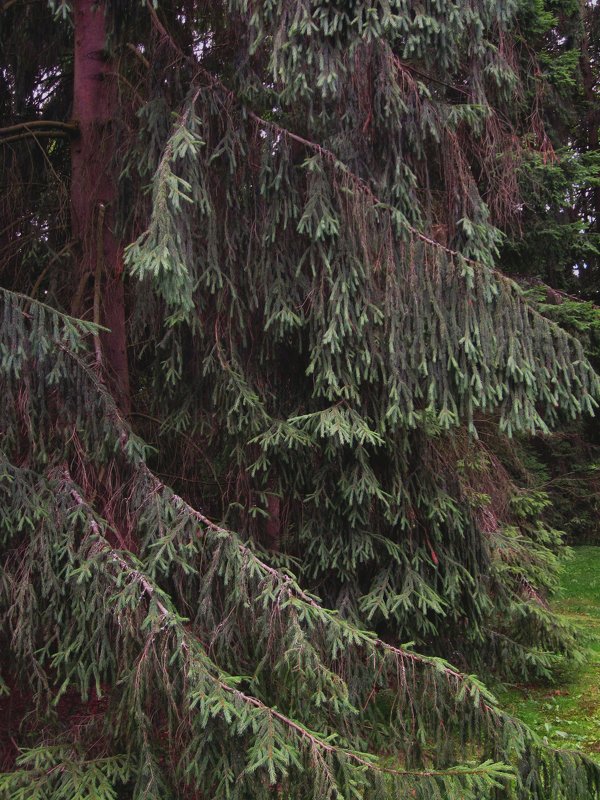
(188, 644)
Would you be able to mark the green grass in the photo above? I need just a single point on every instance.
(568, 713)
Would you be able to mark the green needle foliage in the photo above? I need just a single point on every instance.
(256, 687)
(553, 250)
(318, 340)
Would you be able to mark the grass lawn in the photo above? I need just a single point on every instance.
(568, 714)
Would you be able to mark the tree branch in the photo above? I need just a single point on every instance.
(188, 644)
(40, 123)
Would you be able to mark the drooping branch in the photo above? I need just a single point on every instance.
(360, 183)
(122, 434)
(280, 592)
(170, 622)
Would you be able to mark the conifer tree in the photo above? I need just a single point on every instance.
(557, 236)
(252, 341)
(552, 247)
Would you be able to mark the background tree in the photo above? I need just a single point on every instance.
(553, 249)
(319, 353)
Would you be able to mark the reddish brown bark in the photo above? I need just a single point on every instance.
(591, 123)
(98, 289)
(273, 522)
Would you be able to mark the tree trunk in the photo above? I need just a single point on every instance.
(273, 523)
(591, 137)
(99, 285)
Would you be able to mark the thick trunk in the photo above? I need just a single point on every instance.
(98, 288)
(591, 135)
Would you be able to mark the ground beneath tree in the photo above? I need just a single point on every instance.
(568, 712)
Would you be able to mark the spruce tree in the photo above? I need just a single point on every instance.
(253, 340)
(557, 238)
(553, 245)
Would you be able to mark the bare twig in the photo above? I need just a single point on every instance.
(55, 134)
(68, 127)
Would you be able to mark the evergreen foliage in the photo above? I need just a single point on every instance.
(553, 248)
(186, 699)
(319, 341)
(565, 464)
(558, 236)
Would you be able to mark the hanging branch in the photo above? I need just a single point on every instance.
(463, 688)
(170, 621)
(316, 147)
